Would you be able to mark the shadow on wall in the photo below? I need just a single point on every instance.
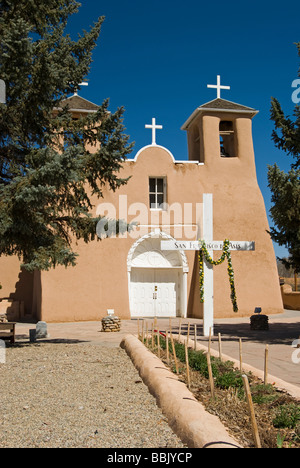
(290, 298)
(24, 303)
(194, 306)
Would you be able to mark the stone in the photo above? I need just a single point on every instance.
(111, 323)
(41, 330)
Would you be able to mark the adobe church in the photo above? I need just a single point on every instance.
(167, 200)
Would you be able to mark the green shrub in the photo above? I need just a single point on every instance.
(263, 393)
(287, 416)
(230, 379)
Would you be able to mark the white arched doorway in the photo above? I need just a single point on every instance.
(157, 279)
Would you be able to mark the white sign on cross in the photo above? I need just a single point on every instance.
(154, 127)
(208, 306)
(218, 87)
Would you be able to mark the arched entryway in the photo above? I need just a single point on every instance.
(157, 279)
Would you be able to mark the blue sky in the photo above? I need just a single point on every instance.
(156, 59)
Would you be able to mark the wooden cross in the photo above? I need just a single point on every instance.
(154, 127)
(211, 245)
(218, 86)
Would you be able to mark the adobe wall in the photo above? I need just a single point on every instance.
(290, 298)
(100, 280)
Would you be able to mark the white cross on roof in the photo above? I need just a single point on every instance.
(218, 86)
(154, 127)
(84, 83)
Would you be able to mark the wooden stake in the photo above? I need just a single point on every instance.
(179, 333)
(158, 344)
(138, 325)
(147, 337)
(195, 337)
(167, 347)
(143, 323)
(241, 357)
(210, 374)
(251, 411)
(174, 353)
(209, 341)
(266, 364)
(220, 346)
(152, 341)
(188, 332)
(187, 364)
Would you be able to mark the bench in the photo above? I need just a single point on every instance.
(8, 331)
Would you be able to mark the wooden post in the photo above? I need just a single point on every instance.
(158, 343)
(167, 347)
(220, 346)
(174, 353)
(209, 341)
(251, 411)
(187, 364)
(179, 333)
(147, 334)
(266, 365)
(241, 360)
(188, 332)
(152, 341)
(210, 374)
(195, 337)
(143, 335)
(138, 327)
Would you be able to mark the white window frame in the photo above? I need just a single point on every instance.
(156, 193)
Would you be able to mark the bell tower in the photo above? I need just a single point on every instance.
(219, 132)
(219, 135)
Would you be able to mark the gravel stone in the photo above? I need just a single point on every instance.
(58, 395)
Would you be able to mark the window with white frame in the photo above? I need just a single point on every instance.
(157, 193)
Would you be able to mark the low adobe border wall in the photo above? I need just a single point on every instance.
(186, 416)
(290, 298)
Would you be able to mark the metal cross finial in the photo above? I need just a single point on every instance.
(84, 83)
(154, 127)
(218, 86)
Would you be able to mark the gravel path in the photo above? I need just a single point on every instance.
(77, 395)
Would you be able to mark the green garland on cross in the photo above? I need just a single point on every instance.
(203, 252)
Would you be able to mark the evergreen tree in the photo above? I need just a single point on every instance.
(285, 187)
(47, 175)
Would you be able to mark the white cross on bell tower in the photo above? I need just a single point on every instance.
(154, 127)
(218, 86)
